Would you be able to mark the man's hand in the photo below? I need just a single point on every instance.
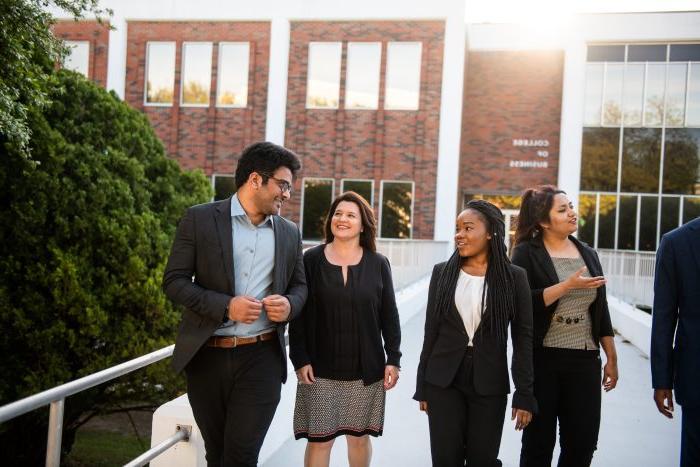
(423, 406)
(277, 307)
(305, 375)
(664, 401)
(522, 418)
(391, 376)
(244, 309)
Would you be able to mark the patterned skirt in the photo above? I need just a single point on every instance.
(330, 408)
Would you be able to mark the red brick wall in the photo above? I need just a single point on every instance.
(369, 144)
(98, 36)
(208, 138)
(510, 95)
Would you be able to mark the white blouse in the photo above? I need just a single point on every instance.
(468, 301)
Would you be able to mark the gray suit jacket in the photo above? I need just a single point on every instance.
(199, 275)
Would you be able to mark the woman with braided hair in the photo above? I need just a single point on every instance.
(462, 380)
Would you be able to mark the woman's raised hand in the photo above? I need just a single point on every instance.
(576, 281)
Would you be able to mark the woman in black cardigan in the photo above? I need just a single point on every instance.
(336, 344)
(571, 322)
(462, 380)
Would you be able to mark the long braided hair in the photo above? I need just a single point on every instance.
(498, 305)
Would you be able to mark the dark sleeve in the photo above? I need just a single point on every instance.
(522, 336)
(430, 335)
(296, 289)
(298, 349)
(391, 326)
(521, 258)
(177, 278)
(664, 317)
(606, 328)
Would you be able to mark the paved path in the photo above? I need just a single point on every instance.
(633, 433)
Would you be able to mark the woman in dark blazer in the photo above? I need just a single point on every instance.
(571, 322)
(462, 380)
(336, 345)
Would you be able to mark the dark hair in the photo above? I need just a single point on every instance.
(369, 223)
(499, 305)
(535, 205)
(265, 158)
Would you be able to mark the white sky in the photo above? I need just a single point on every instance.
(543, 11)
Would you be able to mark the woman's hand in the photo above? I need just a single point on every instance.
(423, 406)
(576, 281)
(391, 376)
(522, 418)
(305, 375)
(610, 375)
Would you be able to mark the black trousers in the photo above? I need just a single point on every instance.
(567, 388)
(234, 394)
(690, 437)
(464, 425)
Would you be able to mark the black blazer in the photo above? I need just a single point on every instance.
(377, 312)
(534, 258)
(446, 339)
(199, 275)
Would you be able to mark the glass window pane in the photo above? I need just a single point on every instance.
(196, 72)
(232, 79)
(669, 213)
(586, 218)
(626, 230)
(606, 53)
(594, 94)
(633, 94)
(675, 94)
(318, 196)
(693, 105)
(160, 72)
(323, 80)
(224, 186)
(403, 65)
(654, 94)
(607, 209)
(647, 223)
(641, 156)
(600, 148)
(685, 52)
(78, 58)
(362, 82)
(612, 100)
(682, 161)
(397, 201)
(646, 53)
(361, 187)
(691, 208)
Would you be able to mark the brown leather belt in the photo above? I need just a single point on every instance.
(225, 342)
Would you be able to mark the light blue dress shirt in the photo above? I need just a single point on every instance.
(253, 266)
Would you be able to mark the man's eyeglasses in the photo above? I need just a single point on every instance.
(283, 185)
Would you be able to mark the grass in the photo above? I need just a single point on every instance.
(98, 448)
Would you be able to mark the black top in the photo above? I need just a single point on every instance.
(320, 337)
(534, 258)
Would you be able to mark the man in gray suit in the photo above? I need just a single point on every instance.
(236, 268)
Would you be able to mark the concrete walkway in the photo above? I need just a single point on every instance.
(632, 433)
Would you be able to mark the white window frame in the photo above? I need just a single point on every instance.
(145, 76)
(218, 77)
(381, 207)
(70, 43)
(303, 196)
(182, 72)
(343, 190)
(308, 67)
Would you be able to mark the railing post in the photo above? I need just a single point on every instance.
(53, 444)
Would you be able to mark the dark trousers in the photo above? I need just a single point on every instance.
(464, 425)
(567, 388)
(234, 394)
(690, 437)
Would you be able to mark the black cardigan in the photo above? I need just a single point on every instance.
(377, 316)
(446, 339)
(534, 258)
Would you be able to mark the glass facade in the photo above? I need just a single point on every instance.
(224, 186)
(317, 196)
(640, 158)
(396, 210)
(364, 188)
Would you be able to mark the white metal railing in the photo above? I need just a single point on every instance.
(630, 275)
(412, 259)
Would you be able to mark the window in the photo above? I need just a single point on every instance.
(675, 94)
(647, 223)
(586, 218)
(682, 161)
(691, 208)
(654, 94)
(646, 53)
(633, 94)
(196, 73)
(224, 186)
(160, 73)
(670, 206)
(364, 188)
(232, 77)
(403, 66)
(607, 211)
(685, 53)
(78, 58)
(323, 80)
(641, 155)
(606, 53)
(362, 79)
(396, 209)
(599, 159)
(626, 234)
(693, 105)
(317, 196)
(612, 97)
(594, 94)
